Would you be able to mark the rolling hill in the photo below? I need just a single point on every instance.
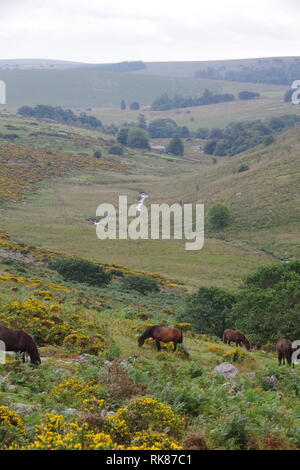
(92, 88)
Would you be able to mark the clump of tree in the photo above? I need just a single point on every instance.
(83, 271)
(165, 102)
(274, 71)
(240, 136)
(134, 137)
(58, 114)
(268, 306)
(248, 95)
(208, 310)
(176, 147)
(143, 284)
(166, 128)
(219, 216)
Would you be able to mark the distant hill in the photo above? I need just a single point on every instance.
(72, 88)
(264, 201)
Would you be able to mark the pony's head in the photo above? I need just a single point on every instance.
(34, 353)
(247, 344)
(141, 340)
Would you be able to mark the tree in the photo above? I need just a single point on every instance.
(138, 138)
(208, 310)
(162, 128)
(176, 146)
(142, 122)
(268, 306)
(122, 136)
(219, 216)
(123, 105)
(134, 105)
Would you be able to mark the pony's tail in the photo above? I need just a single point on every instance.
(181, 338)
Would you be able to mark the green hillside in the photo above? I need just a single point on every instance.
(92, 88)
(264, 201)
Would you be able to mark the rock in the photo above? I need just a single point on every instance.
(249, 375)
(24, 410)
(69, 412)
(226, 370)
(271, 382)
(11, 387)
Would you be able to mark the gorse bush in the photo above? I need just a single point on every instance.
(80, 271)
(142, 284)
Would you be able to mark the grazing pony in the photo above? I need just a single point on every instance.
(19, 341)
(237, 337)
(284, 351)
(161, 333)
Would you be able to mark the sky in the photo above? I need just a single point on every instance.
(100, 31)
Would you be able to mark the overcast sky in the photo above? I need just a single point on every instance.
(152, 30)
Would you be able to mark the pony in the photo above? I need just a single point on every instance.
(237, 337)
(163, 334)
(284, 351)
(20, 342)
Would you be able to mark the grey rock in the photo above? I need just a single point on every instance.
(226, 370)
(23, 409)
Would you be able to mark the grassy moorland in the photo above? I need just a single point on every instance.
(95, 389)
(94, 381)
(57, 215)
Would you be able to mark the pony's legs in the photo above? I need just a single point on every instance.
(279, 358)
(175, 346)
(158, 345)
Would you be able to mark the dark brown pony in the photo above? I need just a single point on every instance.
(20, 342)
(163, 334)
(284, 351)
(237, 337)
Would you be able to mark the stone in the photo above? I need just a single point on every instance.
(226, 370)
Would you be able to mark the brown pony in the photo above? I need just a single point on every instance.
(161, 333)
(284, 351)
(237, 337)
(19, 341)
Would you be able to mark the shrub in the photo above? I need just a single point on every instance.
(97, 154)
(219, 216)
(243, 167)
(81, 271)
(115, 150)
(112, 353)
(142, 284)
(144, 414)
(138, 138)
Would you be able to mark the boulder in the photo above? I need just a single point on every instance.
(226, 370)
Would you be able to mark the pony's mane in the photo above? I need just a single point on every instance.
(148, 333)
